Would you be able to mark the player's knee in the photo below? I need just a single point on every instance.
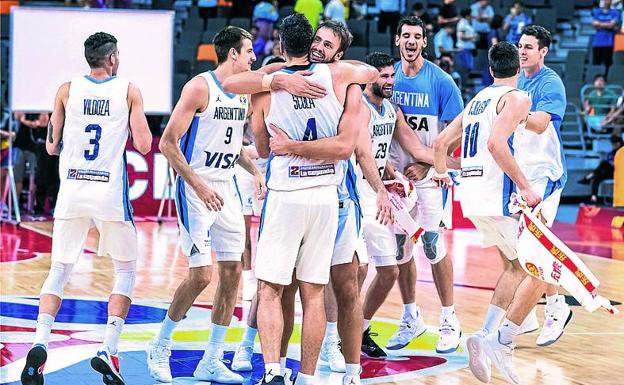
(125, 275)
(433, 245)
(388, 275)
(200, 277)
(230, 272)
(57, 278)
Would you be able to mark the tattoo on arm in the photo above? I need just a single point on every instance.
(50, 132)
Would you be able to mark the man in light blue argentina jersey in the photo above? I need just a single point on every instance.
(428, 98)
(203, 142)
(300, 188)
(540, 154)
(93, 116)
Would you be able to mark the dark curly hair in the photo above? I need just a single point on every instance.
(98, 47)
(379, 60)
(340, 30)
(296, 35)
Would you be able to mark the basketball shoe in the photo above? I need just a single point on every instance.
(480, 364)
(370, 347)
(409, 329)
(450, 334)
(213, 370)
(242, 358)
(331, 354)
(530, 323)
(35, 361)
(501, 356)
(108, 366)
(558, 316)
(158, 353)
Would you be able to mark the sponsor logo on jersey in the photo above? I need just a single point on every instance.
(467, 172)
(417, 123)
(90, 175)
(221, 160)
(311, 171)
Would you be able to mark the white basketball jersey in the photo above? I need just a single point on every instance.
(484, 189)
(213, 142)
(92, 164)
(381, 128)
(305, 119)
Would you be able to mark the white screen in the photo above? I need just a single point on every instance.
(47, 49)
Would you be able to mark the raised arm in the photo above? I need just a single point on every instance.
(194, 98)
(254, 82)
(355, 72)
(339, 147)
(141, 134)
(57, 121)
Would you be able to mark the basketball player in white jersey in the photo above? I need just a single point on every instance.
(203, 142)
(490, 173)
(298, 185)
(429, 98)
(92, 118)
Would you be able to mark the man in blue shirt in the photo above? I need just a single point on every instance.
(606, 22)
(515, 22)
(428, 97)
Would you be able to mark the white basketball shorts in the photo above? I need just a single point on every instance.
(349, 238)
(202, 230)
(297, 233)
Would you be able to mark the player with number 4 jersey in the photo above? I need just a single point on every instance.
(92, 119)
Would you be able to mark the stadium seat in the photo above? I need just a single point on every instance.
(380, 48)
(356, 53)
(5, 6)
(286, 10)
(574, 64)
(193, 21)
(558, 68)
(572, 129)
(5, 29)
(183, 66)
(378, 39)
(358, 29)
(216, 24)
(208, 35)
(206, 52)
(242, 22)
(618, 57)
(204, 65)
(547, 18)
(616, 74)
(592, 71)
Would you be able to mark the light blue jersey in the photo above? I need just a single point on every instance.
(541, 156)
(428, 99)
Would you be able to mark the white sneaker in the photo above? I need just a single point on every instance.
(409, 329)
(502, 357)
(158, 353)
(331, 354)
(558, 316)
(530, 323)
(450, 335)
(351, 380)
(242, 359)
(214, 370)
(250, 286)
(480, 364)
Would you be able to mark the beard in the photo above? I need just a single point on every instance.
(378, 91)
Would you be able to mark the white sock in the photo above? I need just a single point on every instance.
(353, 370)
(166, 328)
(508, 332)
(447, 311)
(365, 324)
(331, 329)
(493, 318)
(551, 299)
(283, 365)
(215, 344)
(271, 370)
(304, 379)
(249, 336)
(410, 309)
(44, 327)
(114, 325)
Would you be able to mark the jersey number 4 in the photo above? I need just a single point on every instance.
(92, 153)
(310, 131)
(470, 140)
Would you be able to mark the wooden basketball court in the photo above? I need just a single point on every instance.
(590, 351)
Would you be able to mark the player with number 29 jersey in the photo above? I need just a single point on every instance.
(92, 165)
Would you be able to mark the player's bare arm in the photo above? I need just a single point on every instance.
(538, 121)
(194, 98)
(513, 110)
(57, 121)
(246, 162)
(366, 161)
(139, 129)
(339, 147)
(253, 82)
(450, 135)
(260, 104)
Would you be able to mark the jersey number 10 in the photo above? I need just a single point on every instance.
(470, 140)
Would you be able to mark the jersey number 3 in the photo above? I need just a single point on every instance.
(92, 153)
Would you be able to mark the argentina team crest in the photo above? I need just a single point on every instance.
(79, 329)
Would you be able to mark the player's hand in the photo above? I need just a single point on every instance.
(260, 185)
(442, 180)
(279, 142)
(385, 215)
(298, 84)
(416, 171)
(530, 197)
(212, 200)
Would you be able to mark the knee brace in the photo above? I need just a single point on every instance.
(125, 274)
(434, 246)
(57, 278)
